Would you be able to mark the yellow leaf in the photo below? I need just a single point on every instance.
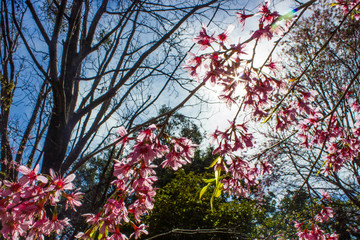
(219, 190)
(209, 180)
(217, 174)
(218, 159)
(321, 168)
(203, 190)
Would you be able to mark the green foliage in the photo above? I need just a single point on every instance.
(178, 207)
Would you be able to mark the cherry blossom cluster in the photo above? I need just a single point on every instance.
(266, 94)
(252, 89)
(341, 144)
(231, 67)
(243, 174)
(23, 204)
(315, 232)
(134, 192)
(346, 6)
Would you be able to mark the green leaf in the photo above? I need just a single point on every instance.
(101, 236)
(100, 226)
(218, 159)
(217, 174)
(268, 118)
(216, 193)
(209, 180)
(203, 190)
(321, 168)
(218, 190)
(93, 232)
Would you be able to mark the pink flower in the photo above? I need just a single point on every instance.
(325, 214)
(73, 200)
(228, 98)
(92, 219)
(214, 74)
(139, 230)
(146, 171)
(173, 161)
(273, 66)
(13, 188)
(144, 151)
(242, 17)
(316, 232)
(325, 195)
(266, 167)
(204, 40)
(333, 236)
(224, 37)
(137, 209)
(144, 182)
(59, 185)
(195, 60)
(186, 147)
(303, 235)
(238, 48)
(117, 209)
(298, 225)
(122, 133)
(118, 235)
(266, 15)
(84, 236)
(13, 226)
(62, 184)
(56, 225)
(304, 142)
(38, 229)
(147, 134)
(193, 65)
(264, 8)
(31, 175)
(122, 169)
(263, 32)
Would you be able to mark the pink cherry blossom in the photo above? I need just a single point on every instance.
(204, 40)
(224, 37)
(59, 185)
(325, 195)
(242, 17)
(263, 33)
(92, 219)
(73, 199)
(118, 235)
(223, 64)
(56, 225)
(139, 230)
(122, 139)
(266, 15)
(325, 214)
(31, 175)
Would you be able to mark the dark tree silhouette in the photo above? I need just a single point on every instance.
(70, 67)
